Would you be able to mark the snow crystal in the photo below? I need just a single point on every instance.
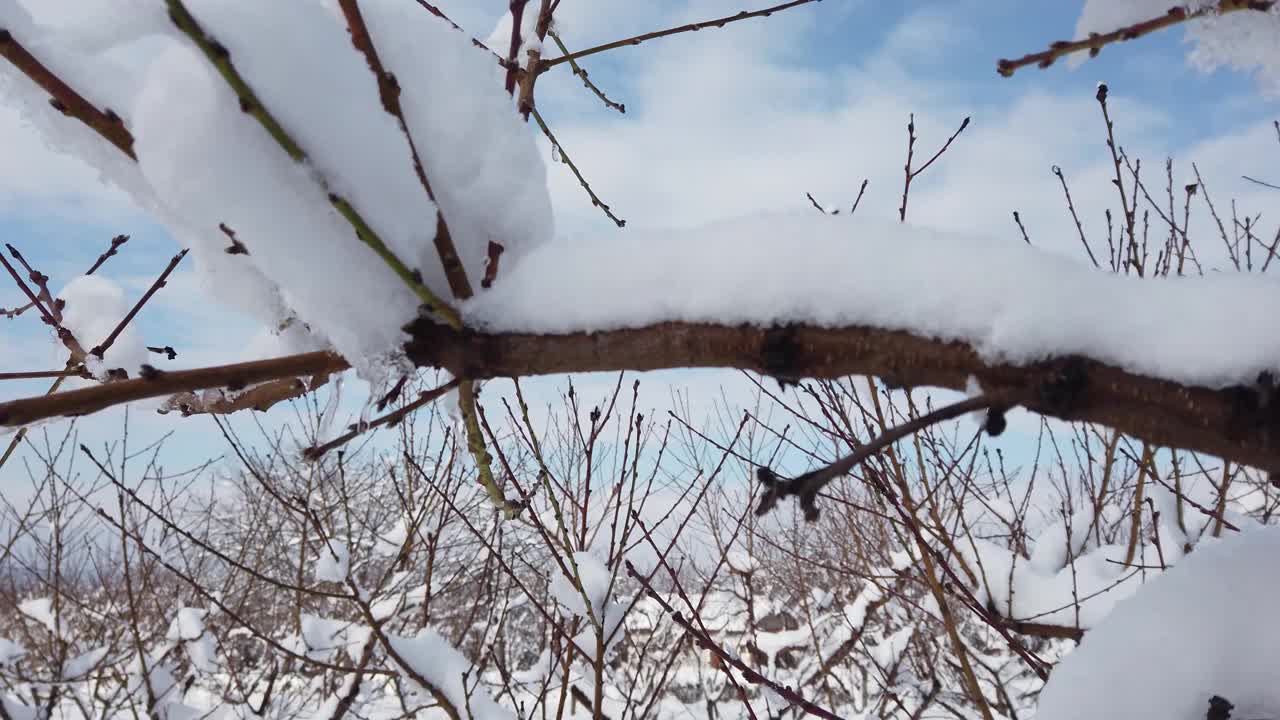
(95, 305)
(334, 562)
(1012, 302)
(1197, 631)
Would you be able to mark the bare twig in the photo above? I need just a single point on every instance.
(582, 75)
(911, 146)
(1096, 41)
(116, 242)
(64, 98)
(316, 451)
(691, 27)
(595, 199)
(389, 92)
(807, 486)
(160, 282)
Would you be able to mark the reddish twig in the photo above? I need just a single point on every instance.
(691, 27)
(1096, 41)
(315, 452)
(911, 146)
(586, 80)
(116, 242)
(389, 93)
(160, 282)
(65, 99)
(564, 157)
(513, 54)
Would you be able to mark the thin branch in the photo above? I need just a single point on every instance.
(1057, 171)
(857, 201)
(1260, 182)
(116, 242)
(807, 486)
(1017, 217)
(160, 282)
(564, 157)
(586, 80)
(65, 99)
(691, 27)
(38, 374)
(317, 451)
(1096, 41)
(389, 92)
(911, 146)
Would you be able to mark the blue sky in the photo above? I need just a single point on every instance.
(723, 123)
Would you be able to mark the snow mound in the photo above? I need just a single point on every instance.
(1011, 302)
(1202, 629)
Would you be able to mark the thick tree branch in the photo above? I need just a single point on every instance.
(1233, 423)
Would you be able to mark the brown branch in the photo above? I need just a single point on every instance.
(911, 146)
(530, 75)
(66, 100)
(1043, 630)
(426, 398)
(1096, 41)
(1225, 423)
(584, 76)
(806, 487)
(691, 27)
(513, 55)
(116, 242)
(389, 92)
(564, 157)
(261, 397)
(79, 371)
(159, 384)
(160, 282)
